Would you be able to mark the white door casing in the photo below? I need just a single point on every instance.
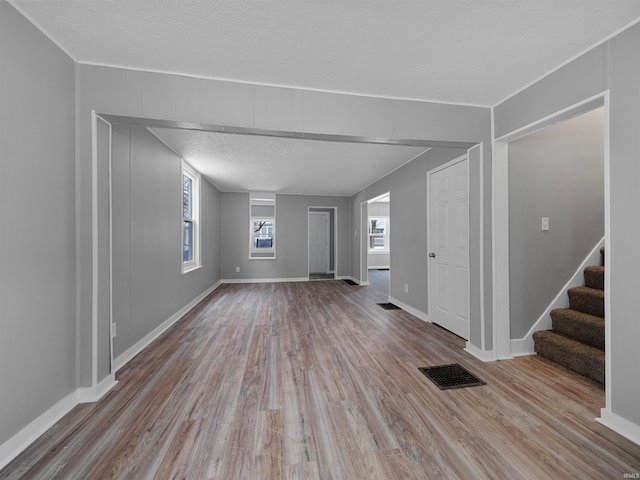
(448, 237)
(318, 242)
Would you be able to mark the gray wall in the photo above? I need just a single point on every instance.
(408, 211)
(37, 224)
(148, 285)
(116, 91)
(613, 66)
(375, 260)
(558, 173)
(292, 248)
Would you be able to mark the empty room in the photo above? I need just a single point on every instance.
(330, 240)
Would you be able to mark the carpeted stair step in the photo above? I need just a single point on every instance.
(594, 277)
(583, 359)
(587, 300)
(579, 326)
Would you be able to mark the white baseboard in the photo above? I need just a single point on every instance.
(484, 355)
(29, 434)
(413, 311)
(620, 425)
(93, 394)
(524, 346)
(132, 351)
(265, 280)
(25, 437)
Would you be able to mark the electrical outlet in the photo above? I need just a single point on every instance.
(113, 329)
(237, 269)
(544, 226)
(406, 288)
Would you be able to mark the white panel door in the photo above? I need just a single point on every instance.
(448, 261)
(318, 242)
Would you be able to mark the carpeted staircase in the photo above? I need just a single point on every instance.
(577, 339)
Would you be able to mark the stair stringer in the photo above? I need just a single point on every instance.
(524, 346)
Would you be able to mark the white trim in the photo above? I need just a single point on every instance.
(608, 252)
(386, 175)
(500, 250)
(93, 394)
(380, 267)
(265, 280)
(110, 202)
(25, 437)
(480, 147)
(619, 424)
(387, 229)
(133, 350)
(444, 166)
(483, 355)
(450, 163)
(94, 248)
(524, 345)
(45, 32)
(277, 85)
(29, 434)
(567, 62)
(335, 244)
(502, 345)
(413, 311)
(583, 106)
(196, 180)
(363, 228)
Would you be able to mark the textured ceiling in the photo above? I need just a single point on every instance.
(235, 163)
(463, 51)
(460, 51)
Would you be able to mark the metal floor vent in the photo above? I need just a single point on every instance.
(451, 376)
(389, 306)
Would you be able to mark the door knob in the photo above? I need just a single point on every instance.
(432, 255)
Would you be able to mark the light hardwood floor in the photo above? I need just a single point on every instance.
(314, 380)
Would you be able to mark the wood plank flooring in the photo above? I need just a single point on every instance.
(314, 380)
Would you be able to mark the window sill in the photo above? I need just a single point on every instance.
(262, 258)
(379, 252)
(190, 269)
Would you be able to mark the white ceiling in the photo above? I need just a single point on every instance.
(236, 163)
(463, 51)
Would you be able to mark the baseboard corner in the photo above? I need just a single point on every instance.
(521, 347)
(619, 425)
(482, 355)
(95, 393)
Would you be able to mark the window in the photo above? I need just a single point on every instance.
(190, 218)
(262, 225)
(378, 234)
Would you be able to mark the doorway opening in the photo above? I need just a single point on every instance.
(506, 346)
(377, 251)
(322, 243)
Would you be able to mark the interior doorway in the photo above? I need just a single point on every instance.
(377, 254)
(321, 241)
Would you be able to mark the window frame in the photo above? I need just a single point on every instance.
(385, 235)
(268, 200)
(195, 262)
